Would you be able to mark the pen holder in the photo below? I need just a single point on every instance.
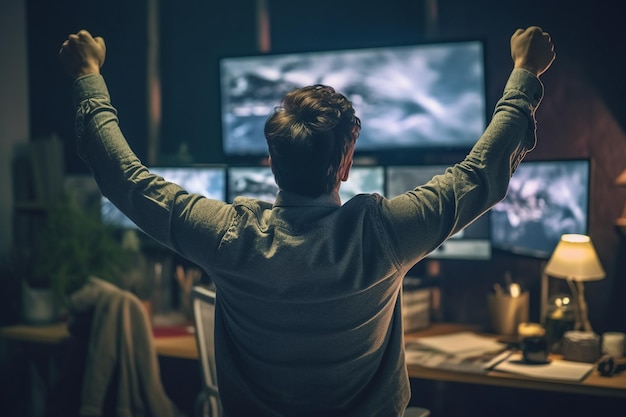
(507, 312)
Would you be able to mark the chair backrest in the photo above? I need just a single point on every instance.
(203, 302)
(417, 412)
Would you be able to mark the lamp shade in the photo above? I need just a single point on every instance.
(575, 258)
(621, 179)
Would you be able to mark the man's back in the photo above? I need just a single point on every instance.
(306, 317)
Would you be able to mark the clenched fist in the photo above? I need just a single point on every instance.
(532, 49)
(82, 54)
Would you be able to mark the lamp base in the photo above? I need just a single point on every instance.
(582, 315)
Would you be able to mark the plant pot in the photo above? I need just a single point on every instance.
(38, 305)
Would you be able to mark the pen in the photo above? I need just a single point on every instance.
(500, 358)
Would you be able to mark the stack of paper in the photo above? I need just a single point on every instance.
(557, 369)
(465, 351)
(461, 344)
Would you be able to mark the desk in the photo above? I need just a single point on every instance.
(184, 346)
(179, 346)
(593, 384)
(182, 381)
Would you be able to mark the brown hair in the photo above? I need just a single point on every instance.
(309, 137)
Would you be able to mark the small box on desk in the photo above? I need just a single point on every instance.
(416, 303)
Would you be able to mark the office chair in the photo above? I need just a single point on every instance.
(203, 305)
(208, 403)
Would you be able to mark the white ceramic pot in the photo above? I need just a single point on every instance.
(38, 305)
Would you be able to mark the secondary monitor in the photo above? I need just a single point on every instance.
(471, 243)
(258, 182)
(251, 181)
(210, 181)
(545, 200)
(363, 180)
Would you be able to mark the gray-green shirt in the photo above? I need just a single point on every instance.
(308, 319)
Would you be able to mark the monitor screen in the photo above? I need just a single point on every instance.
(545, 200)
(363, 180)
(419, 96)
(251, 181)
(471, 243)
(209, 181)
(258, 182)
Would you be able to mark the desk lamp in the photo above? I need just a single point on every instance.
(621, 222)
(575, 260)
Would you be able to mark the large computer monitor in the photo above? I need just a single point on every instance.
(471, 243)
(545, 200)
(408, 97)
(209, 181)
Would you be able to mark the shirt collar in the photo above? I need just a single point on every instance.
(286, 199)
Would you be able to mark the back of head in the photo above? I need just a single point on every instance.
(310, 137)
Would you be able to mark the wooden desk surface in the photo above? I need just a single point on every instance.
(593, 384)
(46, 334)
(184, 346)
(179, 346)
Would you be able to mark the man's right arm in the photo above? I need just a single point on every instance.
(420, 220)
(190, 224)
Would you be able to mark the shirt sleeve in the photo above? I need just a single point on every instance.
(419, 220)
(162, 209)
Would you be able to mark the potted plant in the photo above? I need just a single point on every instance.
(73, 245)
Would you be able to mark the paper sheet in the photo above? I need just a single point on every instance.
(461, 344)
(556, 369)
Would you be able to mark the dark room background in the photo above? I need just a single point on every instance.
(583, 114)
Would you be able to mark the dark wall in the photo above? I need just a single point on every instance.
(582, 115)
(123, 26)
(193, 36)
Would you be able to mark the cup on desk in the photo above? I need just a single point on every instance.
(535, 349)
(506, 312)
